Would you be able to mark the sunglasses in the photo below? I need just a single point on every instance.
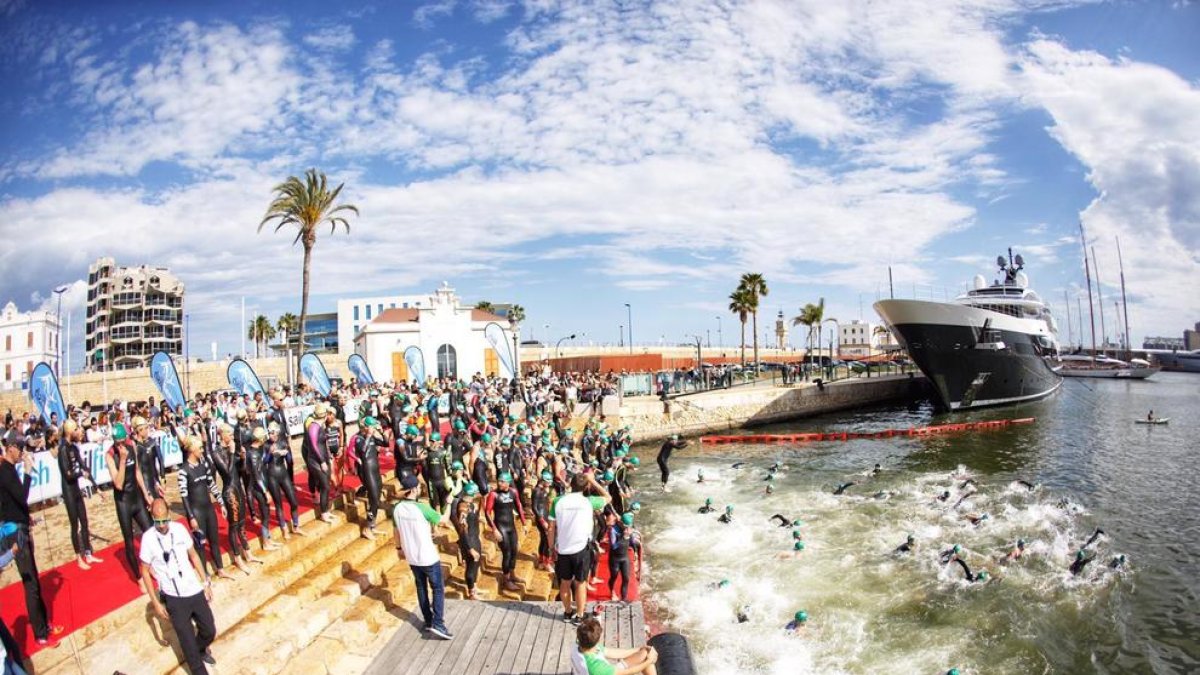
(164, 521)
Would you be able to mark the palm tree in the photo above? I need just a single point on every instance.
(516, 314)
(811, 315)
(261, 331)
(484, 305)
(286, 324)
(307, 204)
(756, 286)
(740, 304)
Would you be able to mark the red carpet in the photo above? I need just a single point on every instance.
(600, 591)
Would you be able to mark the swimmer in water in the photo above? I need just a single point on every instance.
(718, 585)
(777, 467)
(1029, 486)
(1017, 551)
(770, 489)
(1095, 535)
(945, 496)
(743, 614)
(1117, 562)
(841, 489)
(876, 471)
(770, 476)
(883, 494)
(783, 521)
(1081, 561)
(964, 498)
(708, 507)
(951, 554)
(727, 517)
(699, 475)
(909, 545)
(797, 623)
(797, 549)
(976, 519)
(970, 481)
(738, 465)
(982, 577)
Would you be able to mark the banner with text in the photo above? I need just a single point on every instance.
(314, 373)
(358, 365)
(44, 393)
(166, 378)
(242, 378)
(496, 337)
(414, 358)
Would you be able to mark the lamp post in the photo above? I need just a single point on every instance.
(621, 335)
(557, 351)
(720, 339)
(512, 324)
(187, 370)
(58, 335)
(838, 328)
(629, 316)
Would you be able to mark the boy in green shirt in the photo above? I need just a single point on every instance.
(592, 658)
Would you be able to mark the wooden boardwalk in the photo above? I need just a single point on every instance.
(502, 638)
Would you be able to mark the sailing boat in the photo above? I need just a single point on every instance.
(1104, 366)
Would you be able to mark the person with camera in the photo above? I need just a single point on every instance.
(14, 508)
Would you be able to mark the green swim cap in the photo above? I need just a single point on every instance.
(770, 476)
(608, 475)
(795, 534)
(1020, 543)
(910, 539)
(457, 466)
(369, 421)
(619, 453)
(1079, 554)
(801, 616)
(982, 576)
(636, 506)
(435, 436)
(471, 489)
(412, 430)
(459, 426)
(729, 508)
(627, 518)
(723, 583)
(505, 477)
(708, 501)
(797, 523)
(119, 433)
(545, 433)
(594, 464)
(674, 437)
(635, 461)
(952, 671)
(957, 548)
(506, 441)
(522, 426)
(547, 476)
(486, 438)
(798, 546)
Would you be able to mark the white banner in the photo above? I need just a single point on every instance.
(352, 407)
(47, 481)
(168, 448)
(295, 418)
(93, 459)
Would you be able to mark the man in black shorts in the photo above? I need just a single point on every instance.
(571, 521)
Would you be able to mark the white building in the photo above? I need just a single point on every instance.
(450, 337)
(27, 338)
(355, 313)
(132, 312)
(857, 339)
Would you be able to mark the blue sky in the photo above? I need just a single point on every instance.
(573, 157)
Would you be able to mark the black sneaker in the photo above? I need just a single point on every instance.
(208, 658)
(441, 632)
(576, 619)
(569, 617)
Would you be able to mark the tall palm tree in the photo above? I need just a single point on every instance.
(307, 205)
(261, 331)
(811, 315)
(516, 314)
(756, 286)
(740, 304)
(287, 325)
(484, 305)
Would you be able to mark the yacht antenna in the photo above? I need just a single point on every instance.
(1124, 302)
(1099, 300)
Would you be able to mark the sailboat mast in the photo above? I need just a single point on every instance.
(1099, 298)
(1070, 328)
(1079, 319)
(1087, 272)
(1124, 302)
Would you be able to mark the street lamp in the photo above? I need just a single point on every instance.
(58, 336)
(720, 339)
(629, 313)
(557, 351)
(838, 328)
(621, 335)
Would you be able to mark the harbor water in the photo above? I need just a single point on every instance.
(874, 611)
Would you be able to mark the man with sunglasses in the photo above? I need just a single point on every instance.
(169, 558)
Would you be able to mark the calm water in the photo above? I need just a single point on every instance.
(874, 612)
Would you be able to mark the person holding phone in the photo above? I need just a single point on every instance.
(14, 508)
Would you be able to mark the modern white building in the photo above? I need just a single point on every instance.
(132, 312)
(451, 338)
(27, 338)
(354, 314)
(857, 339)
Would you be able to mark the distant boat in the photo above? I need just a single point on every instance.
(1160, 420)
(1079, 365)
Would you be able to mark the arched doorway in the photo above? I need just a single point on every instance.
(447, 362)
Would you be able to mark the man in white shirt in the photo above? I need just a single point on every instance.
(414, 541)
(571, 523)
(169, 558)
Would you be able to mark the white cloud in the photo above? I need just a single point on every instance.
(427, 14)
(331, 38)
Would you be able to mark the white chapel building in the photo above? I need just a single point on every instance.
(451, 338)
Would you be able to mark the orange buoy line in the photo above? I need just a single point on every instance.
(850, 435)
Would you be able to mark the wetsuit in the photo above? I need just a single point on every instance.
(479, 472)
(408, 455)
(1079, 563)
(841, 489)
(585, 448)
(1095, 535)
(467, 526)
(516, 463)
(783, 522)
(151, 466)
(279, 482)
(706, 509)
(459, 447)
(366, 453)
(197, 487)
(966, 570)
(70, 466)
(131, 503)
(317, 439)
(255, 470)
(502, 509)
(437, 470)
(618, 559)
(541, 515)
(232, 495)
(726, 518)
(664, 455)
(904, 548)
(617, 495)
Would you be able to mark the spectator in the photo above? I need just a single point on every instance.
(591, 658)
(414, 541)
(14, 508)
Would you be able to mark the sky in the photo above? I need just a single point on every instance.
(573, 157)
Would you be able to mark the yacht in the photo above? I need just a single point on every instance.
(994, 344)
(1082, 365)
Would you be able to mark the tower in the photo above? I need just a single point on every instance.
(780, 331)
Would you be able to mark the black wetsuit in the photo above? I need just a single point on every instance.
(541, 514)
(131, 504)
(70, 466)
(437, 469)
(783, 522)
(479, 474)
(407, 457)
(503, 507)
(618, 559)
(279, 482)
(726, 518)
(468, 540)
(234, 497)
(664, 456)
(904, 548)
(316, 438)
(151, 466)
(706, 509)
(197, 487)
(841, 489)
(1079, 563)
(255, 470)
(366, 453)
(966, 569)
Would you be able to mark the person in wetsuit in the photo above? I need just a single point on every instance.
(1081, 561)
(841, 489)
(909, 545)
(950, 553)
(409, 452)
(708, 507)
(465, 516)
(72, 469)
(727, 517)
(783, 521)
(664, 456)
(542, 496)
(1095, 535)
(223, 456)
(317, 460)
(437, 474)
(149, 460)
(279, 479)
(619, 532)
(197, 488)
(254, 468)
(129, 494)
(366, 454)
(981, 577)
(479, 470)
(502, 508)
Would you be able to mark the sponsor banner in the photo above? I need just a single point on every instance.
(352, 406)
(168, 448)
(93, 459)
(414, 358)
(166, 378)
(295, 418)
(47, 481)
(314, 373)
(358, 365)
(242, 378)
(500, 344)
(44, 393)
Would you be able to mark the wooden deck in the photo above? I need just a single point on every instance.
(510, 638)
